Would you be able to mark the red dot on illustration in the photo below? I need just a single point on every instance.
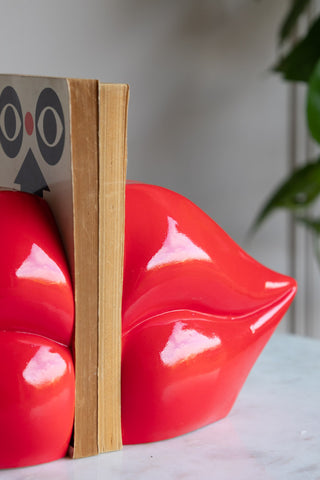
(28, 121)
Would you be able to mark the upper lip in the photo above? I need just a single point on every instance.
(172, 267)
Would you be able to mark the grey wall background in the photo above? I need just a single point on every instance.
(206, 117)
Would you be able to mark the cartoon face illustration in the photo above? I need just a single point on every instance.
(35, 151)
(46, 124)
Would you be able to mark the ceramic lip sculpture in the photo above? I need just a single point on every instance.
(197, 311)
(36, 326)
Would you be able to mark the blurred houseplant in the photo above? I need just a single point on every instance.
(302, 64)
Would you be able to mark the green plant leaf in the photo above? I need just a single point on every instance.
(312, 223)
(299, 63)
(313, 103)
(298, 8)
(296, 192)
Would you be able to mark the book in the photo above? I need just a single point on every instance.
(79, 166)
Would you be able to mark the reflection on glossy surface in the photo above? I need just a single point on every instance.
(36, 399)
(39, 266)
(34, 273)
(197, 311)
(37, 387)
(269, 284)
(45, 368)
(186, 343)
(264, 317)
(176, 248)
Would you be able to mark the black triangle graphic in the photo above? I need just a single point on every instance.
(30, 177)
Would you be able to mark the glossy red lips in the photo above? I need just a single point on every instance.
(36, 325)
(197, 311)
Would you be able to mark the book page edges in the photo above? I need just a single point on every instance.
(113, 164)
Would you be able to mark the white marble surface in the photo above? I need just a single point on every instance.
(272, 432)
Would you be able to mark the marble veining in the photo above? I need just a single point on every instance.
(273, 432)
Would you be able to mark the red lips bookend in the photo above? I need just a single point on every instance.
(197, 311)
(36, 326)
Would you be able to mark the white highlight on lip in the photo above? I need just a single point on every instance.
(269, 284)
(184, 343)
(39, 265)
(177, 247)
(267, 316)
(44, 368)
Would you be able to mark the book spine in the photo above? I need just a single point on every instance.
(84, 152)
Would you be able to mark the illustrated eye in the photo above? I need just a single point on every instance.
(11, 122)
(50, 128)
